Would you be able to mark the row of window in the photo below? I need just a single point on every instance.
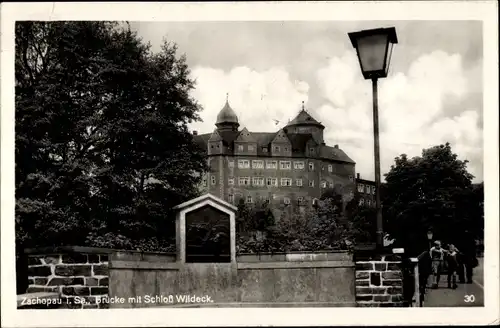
(251, 148)
(369, 189)
(367, 202)
(273, 165)
(286, 200)
(272, 182)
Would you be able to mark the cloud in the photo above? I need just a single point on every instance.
(258, 98)
(411, 110)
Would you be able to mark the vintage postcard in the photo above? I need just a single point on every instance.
(188, 164)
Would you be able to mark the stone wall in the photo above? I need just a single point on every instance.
(78, 274)
(265, 280)
(379, 281)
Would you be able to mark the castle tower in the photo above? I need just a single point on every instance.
(305, 123)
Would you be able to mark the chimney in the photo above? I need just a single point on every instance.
(195, 133)
(336, 146)
(358, 176)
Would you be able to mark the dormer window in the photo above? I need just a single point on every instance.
(276, 148)
(264, 149)
(240, 148)
(286, 148)
(250, 148)
(311, 151)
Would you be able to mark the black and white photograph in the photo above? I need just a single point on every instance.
(283, 164)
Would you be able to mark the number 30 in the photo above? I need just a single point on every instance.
(469, 298)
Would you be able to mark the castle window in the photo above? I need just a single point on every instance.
(249, 199)
(244, 181)
(367, 189)
(315, 201)
(230, 181)
(286, 182)
(271, 165)
(286, 148)
(258, 181)
(212, 146)
(298, 182)
(243, 164)
(272, 181)
(373, 190)
(311, 183)
(351, 178)
(298, 165)
(240, 148)
(311, 151)
(257, 164)
(250, 148)
(286, 200)
(285, 165)
(361, 187)
(311, 166)
(330, 168)
(300, 200)
(361, 202)
(230, 164)
(230, 198)
(323, 184)
(276, 148)
(368, 202)
(204, 181)
(264, 149)
(213, 179)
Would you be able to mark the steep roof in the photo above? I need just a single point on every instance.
(304, 118)
(263, 139)
(335, 154)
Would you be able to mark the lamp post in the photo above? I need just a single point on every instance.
(429, 238)
(374, 50)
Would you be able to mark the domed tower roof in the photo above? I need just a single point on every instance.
(227, 117)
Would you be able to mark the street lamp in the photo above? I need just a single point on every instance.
(374, 50)
(429, 237)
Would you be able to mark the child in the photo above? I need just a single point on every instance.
(452, 266)
(437, 257)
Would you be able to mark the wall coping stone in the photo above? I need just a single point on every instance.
(295, 265)
(83, 249)
(296, 252)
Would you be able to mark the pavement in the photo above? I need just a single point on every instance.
(465, 295)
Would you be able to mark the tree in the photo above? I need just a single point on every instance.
(432, 191)
(102, 147)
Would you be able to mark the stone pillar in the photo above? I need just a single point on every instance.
(379, 282)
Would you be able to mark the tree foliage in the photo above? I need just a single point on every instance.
(102, 146)
(319, 228)
(431, 192)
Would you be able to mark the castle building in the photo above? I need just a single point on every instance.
(365, 189)
(287, 168)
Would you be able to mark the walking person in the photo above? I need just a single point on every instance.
(451, 259)
(437, 258)
(468, 257)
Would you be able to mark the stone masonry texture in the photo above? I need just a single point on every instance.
(75, 276)
(379, 282)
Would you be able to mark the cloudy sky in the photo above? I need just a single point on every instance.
(433, 93)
